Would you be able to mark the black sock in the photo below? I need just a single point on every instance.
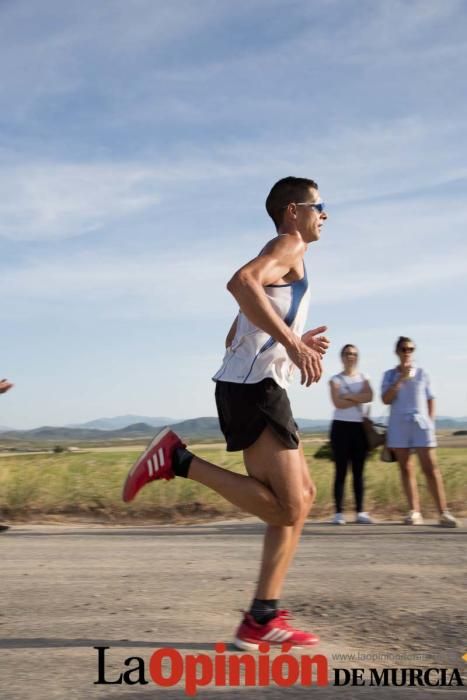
(263, 610)
(181, 461)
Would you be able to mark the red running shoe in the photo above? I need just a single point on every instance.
(154, 463)
(275, 632)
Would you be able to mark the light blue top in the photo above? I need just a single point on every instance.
(412, 397)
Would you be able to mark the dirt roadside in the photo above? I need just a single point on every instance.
(379, 592)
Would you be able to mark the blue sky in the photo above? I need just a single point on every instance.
(138, 142)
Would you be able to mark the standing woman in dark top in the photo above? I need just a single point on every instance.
(350, 389)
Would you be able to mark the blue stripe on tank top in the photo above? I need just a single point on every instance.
(299, 288)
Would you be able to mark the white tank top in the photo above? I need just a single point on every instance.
(255, 355)
(353, 384)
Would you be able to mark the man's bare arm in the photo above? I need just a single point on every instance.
(247, 286)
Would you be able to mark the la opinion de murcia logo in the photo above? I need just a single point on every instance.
(168, 667)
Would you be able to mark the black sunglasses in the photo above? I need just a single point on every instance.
(406, 349)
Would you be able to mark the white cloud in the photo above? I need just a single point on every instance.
(144, 60)
(190, 282)
(366, 283)
(404, 245)
(153, 286)
(60, 200)
(58, 48)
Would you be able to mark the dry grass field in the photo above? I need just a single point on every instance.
(87, 485)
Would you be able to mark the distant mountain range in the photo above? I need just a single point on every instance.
(143, 427)
(197, 428)
(119, 422)
(123, 422)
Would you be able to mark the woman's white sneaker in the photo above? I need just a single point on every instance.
(448, 520)
(338, 519)
(414, 518)
(364, 519)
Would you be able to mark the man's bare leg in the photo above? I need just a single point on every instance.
(278, 501)
(309, 491)
(288, 472)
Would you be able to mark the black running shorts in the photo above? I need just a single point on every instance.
(244, 411)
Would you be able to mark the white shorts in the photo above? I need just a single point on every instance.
(411, 431)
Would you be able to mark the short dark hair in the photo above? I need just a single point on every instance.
(289, 189)
(349, 345)
(401, 340)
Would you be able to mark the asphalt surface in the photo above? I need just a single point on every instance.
(391, 594)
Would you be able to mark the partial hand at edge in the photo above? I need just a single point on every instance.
(5, 385)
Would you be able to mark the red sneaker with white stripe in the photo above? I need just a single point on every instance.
(277, 631)
(154, 463)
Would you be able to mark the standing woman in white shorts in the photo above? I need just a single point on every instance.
(406, 388)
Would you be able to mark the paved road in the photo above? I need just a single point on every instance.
(383, 591)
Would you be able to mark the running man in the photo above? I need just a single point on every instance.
(263, 346)
(5, 386)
